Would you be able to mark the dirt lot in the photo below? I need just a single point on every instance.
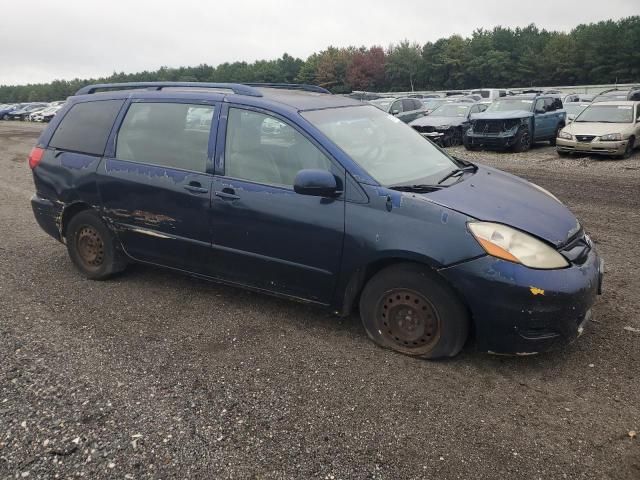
(155, 375)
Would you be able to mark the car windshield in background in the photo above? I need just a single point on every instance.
(482, 93)
(451, 111)
(432, 104)
(575, 108)
(607, 114)
(511, 105)
(382, 104)
(389, 150)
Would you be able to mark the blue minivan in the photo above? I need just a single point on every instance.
(292, 191)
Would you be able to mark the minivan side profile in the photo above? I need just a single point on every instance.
(292, 191)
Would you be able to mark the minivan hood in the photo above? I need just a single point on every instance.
(496, 196)
(502, 115)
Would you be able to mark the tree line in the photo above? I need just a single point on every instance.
(603, 52)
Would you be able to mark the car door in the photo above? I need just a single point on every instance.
(542, 120)
(266, 235)
(396, 108)
(155, 182)
(409, 110)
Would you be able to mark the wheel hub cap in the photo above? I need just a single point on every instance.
(408, 319)
(90, 246)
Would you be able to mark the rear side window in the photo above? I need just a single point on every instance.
(407, 105)
(172, 135)
(86, 127)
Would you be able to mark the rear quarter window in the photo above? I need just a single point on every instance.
(86, 127)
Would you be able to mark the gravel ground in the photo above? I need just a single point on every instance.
(156, 375)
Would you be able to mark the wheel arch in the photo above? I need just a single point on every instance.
(350, 295)
(70, 211)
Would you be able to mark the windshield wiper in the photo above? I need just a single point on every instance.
(458, 171)
(420, 188)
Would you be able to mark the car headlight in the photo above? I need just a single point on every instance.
(565, 135)
(443, 127)
(609, 137)
(515, 246)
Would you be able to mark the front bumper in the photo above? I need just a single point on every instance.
(519, 310)
(593, 147)
(502, 140)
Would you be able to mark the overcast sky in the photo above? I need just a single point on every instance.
(43, 40)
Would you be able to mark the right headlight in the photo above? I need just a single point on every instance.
(515, 246)
(565, 135)
(611, 137)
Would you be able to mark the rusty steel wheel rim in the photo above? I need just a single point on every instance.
(408, 320)
(90, 247)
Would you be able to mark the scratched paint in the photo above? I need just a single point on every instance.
(536, 291)
(151, 171)
(76, 161)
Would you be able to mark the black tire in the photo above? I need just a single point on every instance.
(92, 247)
(629, 150)
(438, 322)
(552, 141)
(562, 153)
(522, 141)
(467, 143)
(5, 117)
(455, 138)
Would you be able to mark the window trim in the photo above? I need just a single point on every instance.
(110, 151)
(221, 142)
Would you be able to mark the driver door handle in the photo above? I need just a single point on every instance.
(227, 194)
(195, 187)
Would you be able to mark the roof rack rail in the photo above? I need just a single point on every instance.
(236, 88)
(291, 86)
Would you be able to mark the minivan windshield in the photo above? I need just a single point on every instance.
(607, 114)
(510, 105)
(389, 150)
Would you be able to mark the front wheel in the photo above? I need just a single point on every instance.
(92, 246)
(409, 309)
(467, 144)
(522, 141)
(629, 150)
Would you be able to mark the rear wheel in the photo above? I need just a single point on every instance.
(552, 141)
(410, 310)
(522, 141)
(92, 246)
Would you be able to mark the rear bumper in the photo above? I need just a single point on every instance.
(48, 215)
(594, 147)
(519, 310)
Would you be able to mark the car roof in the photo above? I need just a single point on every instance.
(617, 102)
(292, 97)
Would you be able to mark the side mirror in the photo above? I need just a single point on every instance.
(395, 112)
(540, 110)
(318, 183)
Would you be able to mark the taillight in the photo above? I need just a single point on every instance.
(35, 156)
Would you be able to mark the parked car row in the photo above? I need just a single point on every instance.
(499, 119)
(34, 111)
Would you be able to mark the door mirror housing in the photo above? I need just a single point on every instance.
(395, 112)
(318, 183)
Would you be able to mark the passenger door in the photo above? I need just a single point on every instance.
(410, 109)
(155, 183)
(542, 120)
(265, 234)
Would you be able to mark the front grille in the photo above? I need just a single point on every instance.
(423, 129)
(494, 126)
(585, 138)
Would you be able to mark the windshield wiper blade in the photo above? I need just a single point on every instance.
(458, 171)
(422, 187)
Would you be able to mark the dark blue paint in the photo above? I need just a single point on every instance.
(322, 249)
